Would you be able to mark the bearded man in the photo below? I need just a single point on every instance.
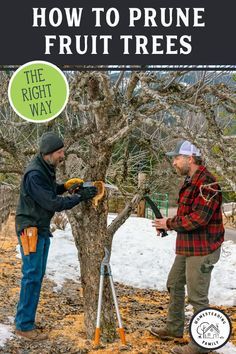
(40, 197)
(200, 233)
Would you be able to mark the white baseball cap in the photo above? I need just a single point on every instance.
(184, 147)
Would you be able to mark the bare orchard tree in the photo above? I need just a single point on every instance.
(115, 123)
(202, 112)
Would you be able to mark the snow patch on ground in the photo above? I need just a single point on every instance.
(141, 259)
(5, 334)
(63, 258)
(228, 348)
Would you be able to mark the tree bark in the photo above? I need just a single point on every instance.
(89, 226)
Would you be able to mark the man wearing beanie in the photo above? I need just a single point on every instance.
(38, 201)
(200, 233)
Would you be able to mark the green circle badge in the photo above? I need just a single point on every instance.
(38, 91)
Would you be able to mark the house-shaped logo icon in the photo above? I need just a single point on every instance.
(211, 332)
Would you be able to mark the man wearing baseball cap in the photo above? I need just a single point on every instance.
(200, 233)
(38, 201)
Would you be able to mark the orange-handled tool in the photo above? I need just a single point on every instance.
(105, 270)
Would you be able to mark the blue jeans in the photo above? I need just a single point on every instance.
(33, 270)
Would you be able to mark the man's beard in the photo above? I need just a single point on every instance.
(182, 171)
(55, 163)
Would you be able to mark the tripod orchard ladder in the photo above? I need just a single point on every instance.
(105, 270)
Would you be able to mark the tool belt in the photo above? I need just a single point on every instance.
(29, 240)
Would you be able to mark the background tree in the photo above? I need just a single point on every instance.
(116, 124)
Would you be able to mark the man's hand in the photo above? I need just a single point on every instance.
(86, 193)
(160, 224)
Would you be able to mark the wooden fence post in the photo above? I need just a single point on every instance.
(142, 177)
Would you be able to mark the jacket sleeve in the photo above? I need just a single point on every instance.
(60, 188)
(45, 196)
(200, 215)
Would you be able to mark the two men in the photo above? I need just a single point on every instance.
(198, 223)
(39, 200)
(200, 233)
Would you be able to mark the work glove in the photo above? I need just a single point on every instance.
(73, 184)
(86, 193)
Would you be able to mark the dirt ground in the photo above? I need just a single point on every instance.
(61, 313)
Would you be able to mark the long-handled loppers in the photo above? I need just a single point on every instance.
(105, 270)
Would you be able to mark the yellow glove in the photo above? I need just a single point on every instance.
(68, 184)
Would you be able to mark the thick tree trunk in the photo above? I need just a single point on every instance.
(89, 227)
(90, 232)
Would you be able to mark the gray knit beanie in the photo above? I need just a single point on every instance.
(49, 143)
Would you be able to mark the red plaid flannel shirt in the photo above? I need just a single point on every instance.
(198, 222)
